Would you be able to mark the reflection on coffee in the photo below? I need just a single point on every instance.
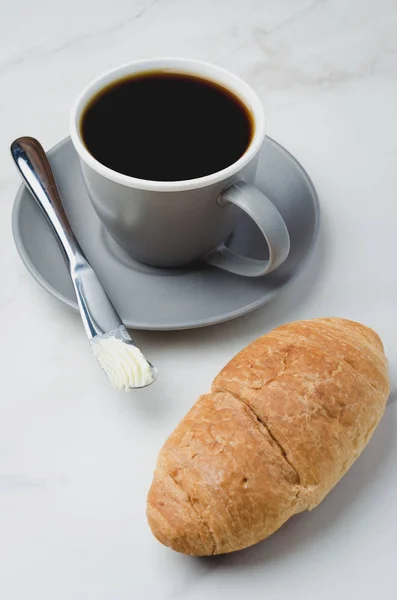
(165, 126)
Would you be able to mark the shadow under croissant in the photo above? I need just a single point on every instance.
(393, 397)
(309, 529)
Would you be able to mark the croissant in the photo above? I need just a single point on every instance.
(284, 421)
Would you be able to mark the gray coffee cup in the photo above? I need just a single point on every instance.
(171, 224)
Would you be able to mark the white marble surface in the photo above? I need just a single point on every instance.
(75, 457)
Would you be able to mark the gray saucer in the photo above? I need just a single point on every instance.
(149, 298)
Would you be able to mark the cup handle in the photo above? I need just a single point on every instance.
(263, 212)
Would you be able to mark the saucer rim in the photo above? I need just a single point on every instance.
(25, 257)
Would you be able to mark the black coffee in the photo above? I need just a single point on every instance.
(166, 127)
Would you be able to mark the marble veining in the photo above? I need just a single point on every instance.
(76, 458)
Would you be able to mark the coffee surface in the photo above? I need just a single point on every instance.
(165, 126)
